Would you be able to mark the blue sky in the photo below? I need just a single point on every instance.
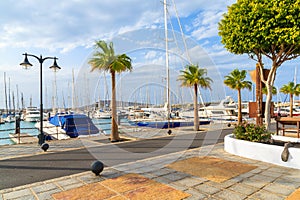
(68, 29)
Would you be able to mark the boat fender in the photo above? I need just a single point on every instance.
(285, 153)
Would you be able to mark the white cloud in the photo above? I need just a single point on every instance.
(205, 24)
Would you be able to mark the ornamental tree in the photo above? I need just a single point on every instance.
(263, 29)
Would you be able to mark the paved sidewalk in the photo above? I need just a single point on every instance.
(266, 181)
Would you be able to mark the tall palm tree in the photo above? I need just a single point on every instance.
(193, 76)
(292, 89)
(105, 59)
(236, 80)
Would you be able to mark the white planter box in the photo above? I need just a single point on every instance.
(262, 152)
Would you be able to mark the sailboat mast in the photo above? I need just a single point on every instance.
(73, 90)
(5, 93)
(18, 103)
(9, 98)
(167, 60)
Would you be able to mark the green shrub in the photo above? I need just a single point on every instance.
(252, 132)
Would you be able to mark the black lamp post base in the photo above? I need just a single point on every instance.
(41, 139)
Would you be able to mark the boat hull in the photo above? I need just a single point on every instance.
(166, 124)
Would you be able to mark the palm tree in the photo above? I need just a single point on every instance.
(107, 60)
(265, 91)
(236, 80)
(193, 76)
(292, 89)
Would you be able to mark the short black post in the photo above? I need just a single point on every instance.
(97, 167)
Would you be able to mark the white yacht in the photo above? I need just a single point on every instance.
(218, 112)
(100, 114)
(224, 111)
(32, 114)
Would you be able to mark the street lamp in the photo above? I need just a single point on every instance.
(26, 65)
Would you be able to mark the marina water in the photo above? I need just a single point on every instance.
(28, 127)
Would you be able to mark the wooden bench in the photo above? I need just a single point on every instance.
(283, 121)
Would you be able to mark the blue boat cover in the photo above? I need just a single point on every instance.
(74, 124)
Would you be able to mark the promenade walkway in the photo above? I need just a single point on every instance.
(207, 172)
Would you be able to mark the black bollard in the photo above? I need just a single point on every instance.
(97, 167)
(45, 146)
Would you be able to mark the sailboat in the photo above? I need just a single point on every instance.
(105, 112)
(8, 118)
(164, 118)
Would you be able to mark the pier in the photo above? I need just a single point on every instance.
(22, 138)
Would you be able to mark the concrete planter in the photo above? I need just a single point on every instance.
(262, 152)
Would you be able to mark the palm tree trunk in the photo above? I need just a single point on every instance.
(291, 105)
(114, 136)
(196, 117)
(239, 107)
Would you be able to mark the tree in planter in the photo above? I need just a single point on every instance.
(292, 89)
(107, 60)
(193, 76)
(263, 29)
(236, 80)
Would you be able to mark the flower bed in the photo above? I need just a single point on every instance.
(262, 152)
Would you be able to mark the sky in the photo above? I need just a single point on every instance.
(68, 30)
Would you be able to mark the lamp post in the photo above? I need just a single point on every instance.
(26, 65)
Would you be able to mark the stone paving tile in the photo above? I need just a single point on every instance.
(44, 187)
(178, 186)
(255, 183)
(279, 189)
(47, 194)
(28, 197)
(243, 189)
(90, 178)
(262, 166)
(207, 189)
(66, 182)
(287, 182)
(111, 173)
(71, 186)
(271, 173)
(17, 194)
(294, 172)
(229, 195)
(189, 181)
(246, 175)
(263, 194)
(222, 185)
(175, 176)
(256, 171)
(195, 194)
(162, 171)
(293, 177)
(263, 178)
(162, 180)
(279, 169)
